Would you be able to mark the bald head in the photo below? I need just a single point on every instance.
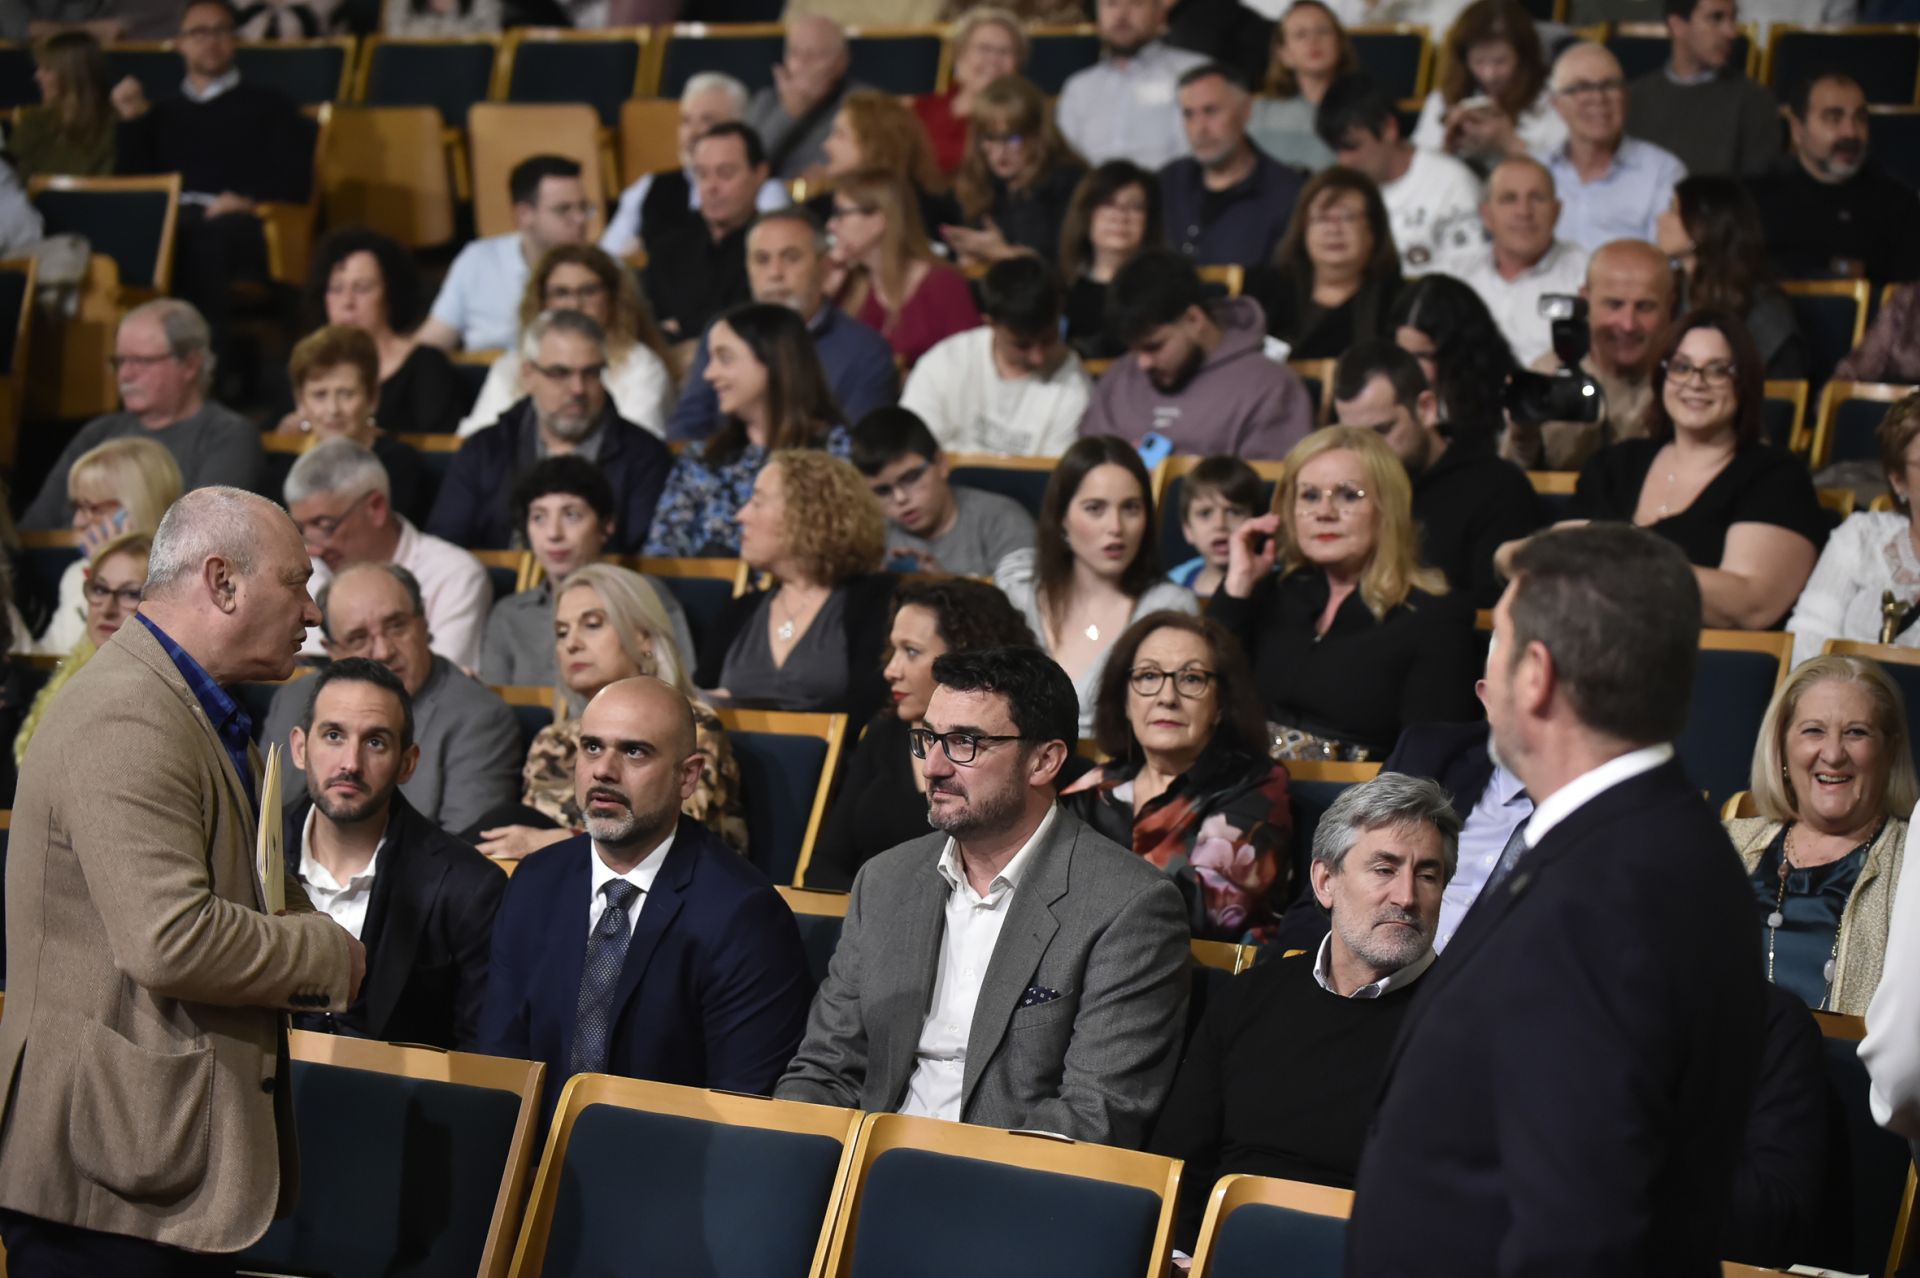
(816, 46)
(650, 706)
(1589, 92)
(1629, 300)
(374, 610)
(639, 762)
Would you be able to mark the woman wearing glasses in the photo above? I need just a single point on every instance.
(582, 277)
(1190, 787)
(1745, 514)
(882, 271)
(1018, 178)
(1335, 273)
(121, 486)
(1350, 638)
(114, 574)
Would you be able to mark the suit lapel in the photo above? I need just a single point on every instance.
(657, 911)
(1024, 938)
(404, 892)
(921, 921)
(568, 938)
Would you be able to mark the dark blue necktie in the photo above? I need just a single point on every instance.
(606, 951)
(1509, 857)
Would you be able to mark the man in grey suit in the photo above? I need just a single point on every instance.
(471, 753)
(1015, 969)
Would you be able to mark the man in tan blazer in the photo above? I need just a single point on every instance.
(143, 1054)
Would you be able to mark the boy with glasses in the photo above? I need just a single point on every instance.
(933, 524)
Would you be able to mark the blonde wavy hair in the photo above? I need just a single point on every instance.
(834, 527)
(141, 474)
(127, 543)
(634, 611)
(1773, 795)
(1395, 571)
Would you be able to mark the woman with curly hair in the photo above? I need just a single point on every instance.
(584, 278)
(882, 801)
(1443, 323)
(1335, 272)
(1018, 178)
(1711, 231)
(812, 638)
(1492, 102)
(364, 280)
(875, 130)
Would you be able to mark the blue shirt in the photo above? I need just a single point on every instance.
(1624, 203)
(230, 722)
(858, 363)
(698, 514)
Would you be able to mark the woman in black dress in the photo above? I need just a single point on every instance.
(1335, 274)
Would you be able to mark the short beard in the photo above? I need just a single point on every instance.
(631, 829)
(1126, 50)
(1372, 947)
(981, 815)
(571, 429)
(350, 813)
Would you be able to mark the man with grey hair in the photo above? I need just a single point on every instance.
(146, 1114)
(163, 363)
(471, 750)
(1524, 260)
(1283, 1074)
(1227, 203)
(566, 411)
(339, 497)
(794, 115)
(659, 201)
(1613, 187)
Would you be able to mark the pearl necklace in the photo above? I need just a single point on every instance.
(1777, 919)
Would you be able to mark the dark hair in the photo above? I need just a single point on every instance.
(968, 615)
(1098, 187)
(1471, 357)
(1381, 279)
(749, 139)
(1800, 96)
(523, 184)
(1353, 103)
(1378, 357)
(1484, 22)
(1040, 698)
(361, 670)
(1682, 9)
(225, 6)
(399, 277)
(1281, 81)
(1227, 475)
(885, 435)
(81, 111)
(1055, 556)
(1241, 722)
(1208, 70)
(1020, 293)
(568, 473)
(1154, 289)
(1619, 610)
(1749, 377)
(800, 402)
(1729, 247)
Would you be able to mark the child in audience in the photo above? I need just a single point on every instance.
(1217, 496)
(933, 525)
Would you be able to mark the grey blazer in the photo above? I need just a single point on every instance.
(1089, 921)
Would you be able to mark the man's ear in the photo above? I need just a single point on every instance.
(223, 586)
(297, 748)
(409, 760)
(1320, 874)
(1044, 767)
(1426, 409)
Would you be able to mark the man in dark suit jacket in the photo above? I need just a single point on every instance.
(421, 901)
(566, 411)
(645, 947)
(1569, 1096)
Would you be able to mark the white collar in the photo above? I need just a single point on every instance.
(214, 89)
(1572, 796)
(1505, 787)
(641, 875)
(1009, 876)
(1399, 977)
(319, 875)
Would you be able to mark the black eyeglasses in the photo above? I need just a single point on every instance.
(961, 747)
(99, 593)
(1191, 684)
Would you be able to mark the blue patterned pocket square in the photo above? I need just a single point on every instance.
(1038, 994)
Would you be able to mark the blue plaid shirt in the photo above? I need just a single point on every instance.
(230, 722)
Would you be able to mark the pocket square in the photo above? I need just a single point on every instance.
(1038, 994)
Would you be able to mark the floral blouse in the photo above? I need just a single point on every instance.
(1220, 831)
(715, 803)
(698, 512)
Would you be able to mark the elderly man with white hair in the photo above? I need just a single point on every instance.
(1612, 187)
(163, 364)
(794, 116)
(660, 200)
(340, 500)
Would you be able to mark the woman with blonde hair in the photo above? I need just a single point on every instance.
(882, 271)
(875, 130)
(812, 638)
(584, 278)
(1833, 778)
(1350, 636)
(987, 43)
(71, 131)
(113, 575)
(121, 486)
(1310, 51)
(608, 625)
(1018, 179)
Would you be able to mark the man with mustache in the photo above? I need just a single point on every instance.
(421, 901)
(645, 947)
(1014, 968)
(1828, 209)
(1283, 1074)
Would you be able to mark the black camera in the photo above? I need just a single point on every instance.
(1568, 395)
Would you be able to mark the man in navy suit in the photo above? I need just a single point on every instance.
(645, 947)
(1569, 1095)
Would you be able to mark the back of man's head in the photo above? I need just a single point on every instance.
(1022, 295)
(885, 435)
(360, 670)
(207, 522)
(1618, 609)
(1353, 104)
(1153, 290)
(523, 184)
(1378, 357)
(1040, 698)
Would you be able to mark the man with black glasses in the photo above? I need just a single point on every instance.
(1014, 969)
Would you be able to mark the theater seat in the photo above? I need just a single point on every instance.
(129, 219)
(701, 586)
(1022, 478)
(1058, 53)
(1884, 59)
(821, 916)
(449, 74)
(1737, 673)
(787, 765)
(1850, 415)
(1398, 58)
(1252, 1219)
(311, 72)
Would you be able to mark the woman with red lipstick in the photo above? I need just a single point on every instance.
(1832, 775)
(1095, 569)
(1350, 637)
(882, 801)
(1190, 787)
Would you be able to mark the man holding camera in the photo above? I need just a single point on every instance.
(1629, 297)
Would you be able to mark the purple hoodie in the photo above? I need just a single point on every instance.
(1240, 402)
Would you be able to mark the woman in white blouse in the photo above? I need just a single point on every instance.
(582, 277)
(1870, 554)
(1493, 102)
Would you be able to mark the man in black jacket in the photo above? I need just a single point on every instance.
(421, 901)
(566, 411)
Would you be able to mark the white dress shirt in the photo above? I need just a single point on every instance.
(973, 925)
(1125, 109)
(1323, 973)
(1515, 303)
(1891, 1049)
(453, 587)
(641, 876)
(1575, 794)
(344, 903)
(1503, 807)
(622, 235)
(958, 391)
